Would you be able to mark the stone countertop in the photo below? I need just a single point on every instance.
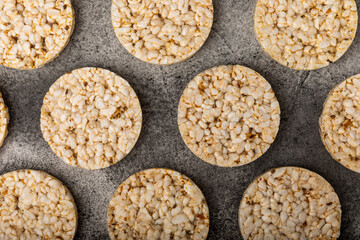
(232, 41)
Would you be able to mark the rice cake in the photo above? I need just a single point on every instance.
(228, 116)
(340, 121)
(158, 204)
(34, 33)
(305, 34)
(4, 120)
(290, 203)
(162, 32)
(35, 205)
(91, 118)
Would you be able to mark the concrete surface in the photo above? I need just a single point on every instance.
(301, 95)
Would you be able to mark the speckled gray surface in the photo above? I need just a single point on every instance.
(232, 41)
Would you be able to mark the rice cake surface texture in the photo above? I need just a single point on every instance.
(290, 203)
(4, 120)
(91, 118)
(34, 32)
(340, 123)
(305, 34)
(228, 116)
(162, 32)
(158, 204)
(35, 205)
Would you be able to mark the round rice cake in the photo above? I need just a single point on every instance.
(34, 33)
(158, 204)
(228, 116)
(35, 205)
(305, 34)
(290, 203)
(4, 120)
(162, 32)
(340, 121)
(91, 118)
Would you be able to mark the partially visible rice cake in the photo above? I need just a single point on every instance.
(290, 203)
(228, 115)
(91, 118)
(162, 32)
(340, 123)
(35, 205)
(34, 32)
(158, 204)
(305, 34)
(4, 120)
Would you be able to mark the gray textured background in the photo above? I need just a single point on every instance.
(232, 41)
